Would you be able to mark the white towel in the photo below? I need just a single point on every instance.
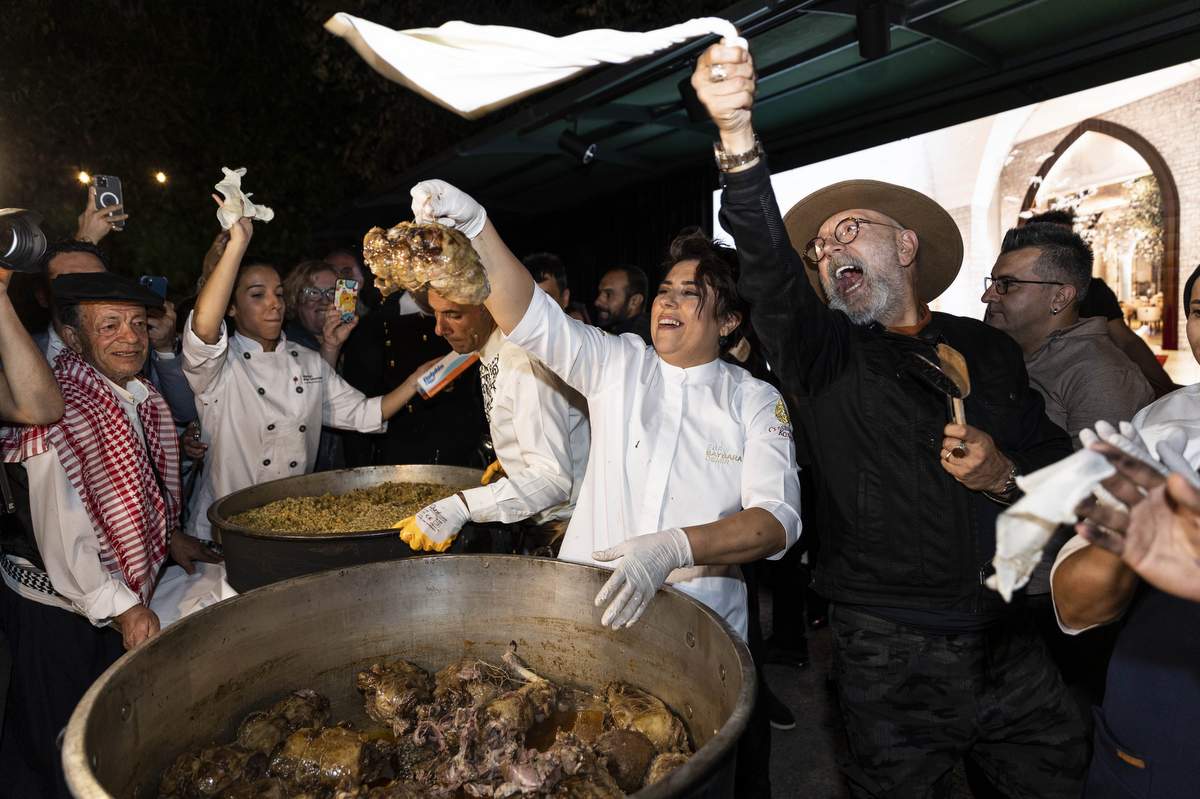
(237, 204)
(1052, 493)
(475, 69)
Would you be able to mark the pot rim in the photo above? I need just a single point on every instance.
(220, 521)
(82, 782)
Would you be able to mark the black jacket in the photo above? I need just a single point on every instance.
(896, 529)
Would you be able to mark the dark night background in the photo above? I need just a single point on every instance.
(129, 87)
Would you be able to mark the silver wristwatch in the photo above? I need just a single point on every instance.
(727, 161)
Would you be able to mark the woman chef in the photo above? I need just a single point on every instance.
(682, 443)
(261, 400)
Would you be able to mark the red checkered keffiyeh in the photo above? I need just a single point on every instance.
(106, 463)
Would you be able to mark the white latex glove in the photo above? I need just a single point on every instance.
(646, 561)
(1170, 452)
(438, 201)
(434, 527)
(1127, 439)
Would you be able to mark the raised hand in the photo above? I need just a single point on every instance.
(96, 223)
(438, 201)
(724, 81)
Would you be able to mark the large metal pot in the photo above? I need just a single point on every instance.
(192, 684)
(254, 558)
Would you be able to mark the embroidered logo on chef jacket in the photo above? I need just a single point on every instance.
(781, 413)
(717, 454)
(308, 379)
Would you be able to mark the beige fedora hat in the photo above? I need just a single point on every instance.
(940, 250)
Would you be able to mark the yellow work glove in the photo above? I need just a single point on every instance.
(434, 527)
(493, 472)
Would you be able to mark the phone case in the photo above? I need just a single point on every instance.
(345, 298)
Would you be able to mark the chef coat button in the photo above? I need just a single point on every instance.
(292, 465)
(266, 462)
(424, 337)
(271, 426)
(295, 354)
(392, 364)
(299, 389)
(387, 343)
(246, 355)
(303, 428)
(262, 391)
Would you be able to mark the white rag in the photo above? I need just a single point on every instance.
(180, 594)
(237, 205)
(1052, 493)
(475, 69)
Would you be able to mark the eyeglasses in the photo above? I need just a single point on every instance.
(844, 232)
(314, 294)
(1003, 284)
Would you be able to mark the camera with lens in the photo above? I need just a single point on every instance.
(22, 242)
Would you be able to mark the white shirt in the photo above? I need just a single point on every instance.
(261, 413)
(1179, 410)
(540, 434)
(65, 536)
(670, 447)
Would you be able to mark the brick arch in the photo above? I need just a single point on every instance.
(1170, 205)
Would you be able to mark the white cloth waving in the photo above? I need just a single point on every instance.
(475, 69)
(237, 204)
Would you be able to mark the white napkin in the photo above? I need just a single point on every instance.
(237, 205)
(475, 69)
(1052, 493)
(180, 594)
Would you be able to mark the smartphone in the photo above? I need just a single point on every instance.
(156, 283)
(108, 192)
(345, 298)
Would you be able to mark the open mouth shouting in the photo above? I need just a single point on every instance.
(847, 279)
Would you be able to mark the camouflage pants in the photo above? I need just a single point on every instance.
(917, 703)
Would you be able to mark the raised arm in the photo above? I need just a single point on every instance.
(585, 357)
(28, 391)
(512, 286)
(805, 342)
(214, 296)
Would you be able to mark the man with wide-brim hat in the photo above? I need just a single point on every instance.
(931, 666)
(103, 499)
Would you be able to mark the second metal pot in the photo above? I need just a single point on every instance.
(254, 558)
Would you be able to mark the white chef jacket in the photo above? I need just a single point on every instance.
(540, 435)
(261, 413)
(670, 447)
(1178, 410)
(66, 538)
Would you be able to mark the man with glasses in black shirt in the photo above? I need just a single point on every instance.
(931, 665)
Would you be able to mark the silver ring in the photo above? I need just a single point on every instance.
(717, 73)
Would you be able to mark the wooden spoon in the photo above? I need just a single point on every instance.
(955, 367)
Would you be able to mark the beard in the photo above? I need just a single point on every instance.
(878, 296)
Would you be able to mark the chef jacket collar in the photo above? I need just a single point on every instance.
(248, 344)
(694, 375)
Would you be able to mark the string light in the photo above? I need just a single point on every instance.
(84, 177)
(161, 177)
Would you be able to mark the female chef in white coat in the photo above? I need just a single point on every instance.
(262, 400)
(682, 442)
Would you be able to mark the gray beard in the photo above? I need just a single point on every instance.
(879, 301)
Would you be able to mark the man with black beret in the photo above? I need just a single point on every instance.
(104, 499)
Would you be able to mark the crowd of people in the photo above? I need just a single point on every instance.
(663, 433)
